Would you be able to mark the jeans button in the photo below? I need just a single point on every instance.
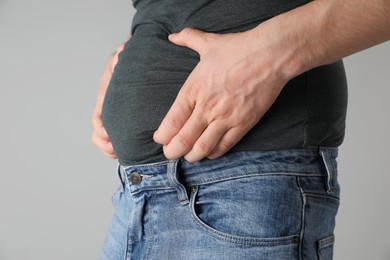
(135, 178)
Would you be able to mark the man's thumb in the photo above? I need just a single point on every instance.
(191, 38)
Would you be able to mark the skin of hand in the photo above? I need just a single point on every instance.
(240, 75)
(223, 98)
(100, 137)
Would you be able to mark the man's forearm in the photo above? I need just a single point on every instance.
(324, 31)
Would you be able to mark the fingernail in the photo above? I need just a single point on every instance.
(172, 36)
(155, 137)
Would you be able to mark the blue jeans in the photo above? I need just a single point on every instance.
(245, 205)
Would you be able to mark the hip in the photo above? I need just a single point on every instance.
(246, 205)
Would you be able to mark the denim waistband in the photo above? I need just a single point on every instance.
(178, 173)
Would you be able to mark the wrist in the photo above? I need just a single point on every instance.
(288, 54)
(293, 38)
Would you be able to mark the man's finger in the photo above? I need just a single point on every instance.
(227, 141)
(191, 38)
(102, 133)
(206, 142)
(98, 127)
(184, 140)
(111, 155)
(176, 117)
(103, 145)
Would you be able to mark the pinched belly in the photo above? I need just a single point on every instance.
(146, 80)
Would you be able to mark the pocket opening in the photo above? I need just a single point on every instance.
(218, 212)
(325, 248)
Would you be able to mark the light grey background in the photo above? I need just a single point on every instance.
(55, 187)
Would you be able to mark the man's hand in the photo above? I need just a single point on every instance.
(240, 75)
(231, 88)
(99, 136)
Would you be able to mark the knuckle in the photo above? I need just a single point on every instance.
(183, 141)
(174, 123)
(204, 147)
(223, 114)
(210, 105)
(111, 148)
(102, 133)
(233, 76)
(186, 32)
(191, 92)
(225, 145)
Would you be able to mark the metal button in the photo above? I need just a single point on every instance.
(135, 178)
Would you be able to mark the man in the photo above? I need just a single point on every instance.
(236, 82)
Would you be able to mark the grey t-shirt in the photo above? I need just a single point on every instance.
(310, 110)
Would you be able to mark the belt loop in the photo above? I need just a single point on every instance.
(329, 158)
(173, 179)
(120, 175)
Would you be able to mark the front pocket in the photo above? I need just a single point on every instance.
(325, 248)
(257, 210)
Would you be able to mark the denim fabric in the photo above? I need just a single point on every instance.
(244, 205)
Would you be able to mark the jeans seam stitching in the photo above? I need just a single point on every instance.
(319, 196)
(161, 187)
(254, 174)
(150, 241)
(302, 233)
